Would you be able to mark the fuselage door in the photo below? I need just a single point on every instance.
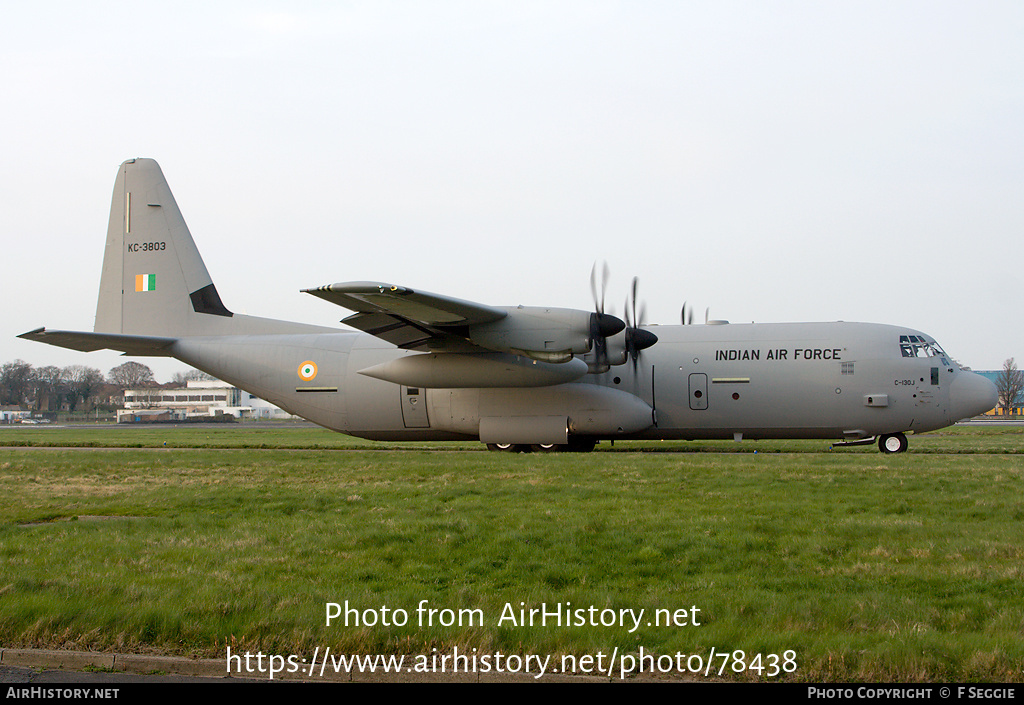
(414, 407)
(698, 391)
(926, 390)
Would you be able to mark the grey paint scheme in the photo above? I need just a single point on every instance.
(472, 380)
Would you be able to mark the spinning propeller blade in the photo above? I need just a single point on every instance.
(637, 338)
(602, 325)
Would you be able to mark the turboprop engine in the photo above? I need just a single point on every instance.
(545, 334)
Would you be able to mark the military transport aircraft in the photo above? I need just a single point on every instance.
(423, 366)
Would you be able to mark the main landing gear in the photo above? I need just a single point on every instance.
(575, 445)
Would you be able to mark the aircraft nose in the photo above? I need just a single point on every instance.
(970, 395)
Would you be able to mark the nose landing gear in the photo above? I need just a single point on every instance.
(892, 443)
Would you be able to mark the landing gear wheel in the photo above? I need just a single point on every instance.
(581, 445)
(508, 447)
(893, 443)
(545, 448)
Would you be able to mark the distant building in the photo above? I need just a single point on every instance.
(13, 414)
(1018, 404)
(199, 399)
(146, 416)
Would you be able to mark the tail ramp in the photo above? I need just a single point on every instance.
(154, 281)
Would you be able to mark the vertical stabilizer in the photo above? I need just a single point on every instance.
(154, 281)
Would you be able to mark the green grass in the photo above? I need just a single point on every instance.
(869, 567)
(256, 435)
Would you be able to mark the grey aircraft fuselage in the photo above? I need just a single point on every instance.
(800, 380)
(434, 368)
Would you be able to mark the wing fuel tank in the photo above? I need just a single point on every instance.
(459, 371)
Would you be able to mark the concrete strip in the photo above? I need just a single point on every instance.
(46, 658)
(156, 665)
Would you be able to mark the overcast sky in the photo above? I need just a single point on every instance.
(774, 161)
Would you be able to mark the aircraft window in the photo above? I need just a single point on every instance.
(917, 346)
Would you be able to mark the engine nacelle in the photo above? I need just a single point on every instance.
(618, 348)
(548, 334)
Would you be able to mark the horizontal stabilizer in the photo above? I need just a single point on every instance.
(142, 345)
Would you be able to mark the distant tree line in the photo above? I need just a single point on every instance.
(1010, 385)
(46, 388)
(54, 388)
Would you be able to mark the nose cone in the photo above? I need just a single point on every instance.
(970, 395)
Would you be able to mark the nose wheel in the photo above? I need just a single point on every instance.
(892, 443)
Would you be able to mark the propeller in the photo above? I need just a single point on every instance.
(637, 338)
(687, 316)
(599, 304)
(686, 320)
(602, 325)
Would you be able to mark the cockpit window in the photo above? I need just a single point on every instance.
(917, 346)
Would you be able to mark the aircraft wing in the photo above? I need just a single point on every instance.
(412, 320)
(536, 346)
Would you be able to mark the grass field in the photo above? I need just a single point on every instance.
(867, 567)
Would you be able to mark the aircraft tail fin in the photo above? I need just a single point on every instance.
(154, 281)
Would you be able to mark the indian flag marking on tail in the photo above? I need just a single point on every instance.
(145, 282)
